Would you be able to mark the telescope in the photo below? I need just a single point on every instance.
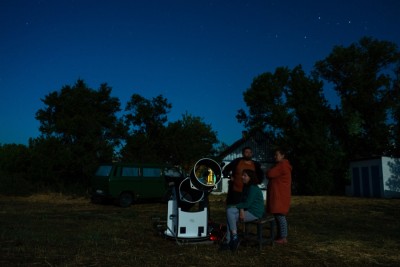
(188, 207)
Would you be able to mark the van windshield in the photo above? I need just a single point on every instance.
(103, 170)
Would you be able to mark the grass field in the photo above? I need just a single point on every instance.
(57, 230)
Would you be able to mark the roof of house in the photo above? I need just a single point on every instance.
(259, 142)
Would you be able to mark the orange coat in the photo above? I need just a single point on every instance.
(279, 187)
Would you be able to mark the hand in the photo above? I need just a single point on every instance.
(241, 215)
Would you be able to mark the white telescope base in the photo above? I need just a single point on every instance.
(186, 225)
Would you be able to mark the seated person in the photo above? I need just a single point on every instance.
(249, 209)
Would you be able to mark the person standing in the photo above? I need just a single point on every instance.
(279, 193)
(235, 169)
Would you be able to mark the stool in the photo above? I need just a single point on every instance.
(265, 222)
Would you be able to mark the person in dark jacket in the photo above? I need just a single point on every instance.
(234, 169)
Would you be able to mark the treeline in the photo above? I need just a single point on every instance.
(291, 108)
(81, 127)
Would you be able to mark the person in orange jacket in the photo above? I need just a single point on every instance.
(279, 193)
(234, 170)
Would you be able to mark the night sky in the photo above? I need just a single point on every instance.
(200, 55)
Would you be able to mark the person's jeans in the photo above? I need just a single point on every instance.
(232, 217)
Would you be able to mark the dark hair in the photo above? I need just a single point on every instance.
(280, 150)
(253, 176)
(245, 148)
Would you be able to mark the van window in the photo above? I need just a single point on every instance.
(130, 171)
(103, 170)
(152, 172)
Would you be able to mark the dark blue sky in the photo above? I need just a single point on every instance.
(200, 55)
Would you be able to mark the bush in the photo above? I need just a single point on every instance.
(15, 184)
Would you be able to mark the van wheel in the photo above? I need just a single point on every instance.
(125, 199)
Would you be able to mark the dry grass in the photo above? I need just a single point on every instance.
(57, 230)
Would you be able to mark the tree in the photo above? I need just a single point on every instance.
(291, 109)
(361, 74)
(15, 163)
(14, 158)
(182, 142)
(188, 140)
(81, 124)
(147, 116)
(395, 115)
(53, 164)
(265, 100)
(314, 148)
(146, 121)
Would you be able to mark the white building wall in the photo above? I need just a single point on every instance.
(378, 177)
(391, 177)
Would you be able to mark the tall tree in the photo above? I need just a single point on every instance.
(84, 123)
(146, 120)
(266, 102)
(290, 107)
(147, 116)
(314, 148)
(362, 75)
(188, 140)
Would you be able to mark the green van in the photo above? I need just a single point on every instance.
(127, 183)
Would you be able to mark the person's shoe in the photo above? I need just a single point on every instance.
(281, 241)
(234, 244)
(224, 246)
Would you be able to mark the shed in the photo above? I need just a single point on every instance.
(375, 177)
